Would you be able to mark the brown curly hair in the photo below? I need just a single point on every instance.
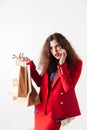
(47, 62)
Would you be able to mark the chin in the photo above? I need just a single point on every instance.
(57, 58)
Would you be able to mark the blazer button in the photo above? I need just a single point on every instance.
(61, 103)
(61, 93)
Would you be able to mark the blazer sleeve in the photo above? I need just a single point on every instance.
(70, 76)
(34, 73)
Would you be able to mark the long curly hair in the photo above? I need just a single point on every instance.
(47, 62)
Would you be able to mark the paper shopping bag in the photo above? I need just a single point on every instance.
(22, 90)
(23, 87)
(19, 82)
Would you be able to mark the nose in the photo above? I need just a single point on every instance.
(56, 49)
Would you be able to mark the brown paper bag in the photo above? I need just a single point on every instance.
(23, 87)
(22, 90)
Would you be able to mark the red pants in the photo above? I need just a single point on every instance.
(45, 122)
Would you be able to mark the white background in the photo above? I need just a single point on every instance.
(24, 26)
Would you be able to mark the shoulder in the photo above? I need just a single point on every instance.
(78, 62)
(76, 65)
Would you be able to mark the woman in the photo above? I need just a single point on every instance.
(60, 70)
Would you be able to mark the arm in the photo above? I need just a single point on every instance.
(34, 74)
(70, 76)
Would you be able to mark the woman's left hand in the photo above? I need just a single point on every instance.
(63, 56)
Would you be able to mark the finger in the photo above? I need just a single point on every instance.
(14, 56)
(22, 54)
(63, 51)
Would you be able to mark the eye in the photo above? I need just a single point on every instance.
(51, 48)
(58, 45)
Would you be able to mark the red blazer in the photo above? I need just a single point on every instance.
(64, 102)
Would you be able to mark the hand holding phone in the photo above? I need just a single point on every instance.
(63, 56)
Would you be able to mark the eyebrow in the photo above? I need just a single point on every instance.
(56, 45)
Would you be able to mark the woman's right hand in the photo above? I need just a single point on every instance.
(21, 57)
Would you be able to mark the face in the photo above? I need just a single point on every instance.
(55, 49)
